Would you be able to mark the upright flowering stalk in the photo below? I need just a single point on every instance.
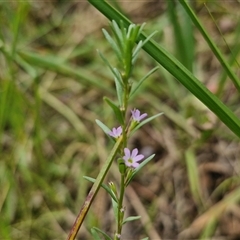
(127, 55)
(131, 161)
(128, 161)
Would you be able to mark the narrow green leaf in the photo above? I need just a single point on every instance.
(193, 176)
(95, 234)
(26, 66)
(141, 165)
(116, 110)
(180, 45)
(135, 54)
(105, 129)
(189, 41)
(136, 51)
(107, 237)
(141, 29)
(135, 33)
(224, 186)
(115, 209)
(132, 34)
(132, 218)
(144, 122)
(142, 80)
(211, 44)
(124, 32)
(234, 55)
(113, 45)
(118, 34)
(119, 86)
(18, 19)
(130, 30)
(65, 111)
(118, 76)
(210, 228)
(215, 211)
(108, 64)
(58, 65)
(104, 186)
(103, 126)
(119, 91)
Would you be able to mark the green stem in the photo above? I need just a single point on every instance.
(125, 105)
(120, 204)
(93, 192)
(122, 184)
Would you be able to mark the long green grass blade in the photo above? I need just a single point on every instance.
(18, 19)
(234, 55)
(180, 46)
(185, 77)
(59, 66)
(193, 176)
(211, 44)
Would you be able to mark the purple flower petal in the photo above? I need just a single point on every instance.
(134, 153)
(138, 158)
(135, 165)
(142, 116)
(131, 159)
(116, 132)
(127, 153)
(136, 115)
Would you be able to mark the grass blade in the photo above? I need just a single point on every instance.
(183, 36)
(211, 44)
(184, 76)
(193, 177)
(59, 66)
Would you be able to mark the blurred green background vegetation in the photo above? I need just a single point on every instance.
(52, 84)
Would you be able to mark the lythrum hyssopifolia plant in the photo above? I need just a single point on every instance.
(129, 160)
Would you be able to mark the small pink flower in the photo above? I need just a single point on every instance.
(116, 132)
(136, 115)
(132, 159)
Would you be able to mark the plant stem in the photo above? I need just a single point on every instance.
(93, 192)
(122, 183)
(120, 204)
